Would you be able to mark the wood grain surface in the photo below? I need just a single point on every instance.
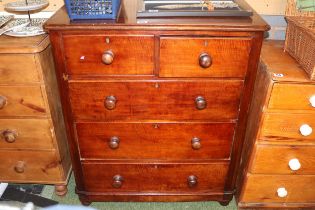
(163, 141)
(132, 54)
(158, 178)
(179, 56)
(159, 100)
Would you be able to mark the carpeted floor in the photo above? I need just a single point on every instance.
(72, 199)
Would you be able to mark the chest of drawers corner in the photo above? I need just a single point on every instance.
(33, 145)
(279, 154)
(154, 110)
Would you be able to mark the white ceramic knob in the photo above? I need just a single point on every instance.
(306, 130)
(294, 164)
(312, 101)
(282, 192)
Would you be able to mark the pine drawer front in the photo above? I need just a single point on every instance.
(293, 97)
(164, 141)
(160, 178)
(26, 134)
(29, 166)
(22, 101)
(265, 189)
(285, 128)
(283, 160)
(12, 67)
(109, 54)
(204, 57)
(167, 100)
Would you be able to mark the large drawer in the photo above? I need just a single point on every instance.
(181, 56)
(158, 100)
(292, 97)
(263, 189)
(283, 160)
(131, 54)
(288, 128)
(22, 101)
(14, 65)
(161, 178)
(29, 166)
(26, 134)
(164, 141)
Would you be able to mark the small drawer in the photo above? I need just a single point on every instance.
(25, 134)
(13, 66)
(167, 141)
(29, 166)
(161, 178)
(279, 189)
(109, 54)
(21, 101)
(204, 57)
(283, 160)
(288, 128)
(159, 100)
(292, 97)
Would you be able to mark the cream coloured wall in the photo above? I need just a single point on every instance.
(265, 7)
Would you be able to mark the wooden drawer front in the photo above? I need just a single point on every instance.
(288, 128)
(25, 134)
(263, 189)
(155, 177)
(132, 54)
(29, 166)
(179, 57)
(155, 140)
(156, 100)
(12, 67)
(22, 101)
(276, 160)
(292, 97)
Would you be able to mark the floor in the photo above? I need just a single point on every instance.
(72, 199)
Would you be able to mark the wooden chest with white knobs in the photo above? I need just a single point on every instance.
(278, 161)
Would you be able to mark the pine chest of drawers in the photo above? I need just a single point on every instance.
(279, 154)
(33, 145)
(156, 109)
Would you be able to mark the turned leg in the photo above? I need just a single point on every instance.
(84, 200)
(61, 190)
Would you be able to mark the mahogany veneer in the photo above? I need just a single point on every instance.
(156, 109)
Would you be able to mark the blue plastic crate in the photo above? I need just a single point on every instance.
(92, 9)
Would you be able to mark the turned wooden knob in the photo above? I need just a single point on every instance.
(192, 181)
(200, 103)
(108, 57)
(205, 61)
(3, 102)
(20, 167)
(117, 181)
(110, 102)
(114, 142)
(9, 136)
(195, 143)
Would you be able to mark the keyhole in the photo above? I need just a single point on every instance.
(206, 43)
(107, 40)
(156, 85)
(156, 126)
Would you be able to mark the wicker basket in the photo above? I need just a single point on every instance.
(300, 38)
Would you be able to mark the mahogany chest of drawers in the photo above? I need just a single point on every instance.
(33, 145)
(156, 109)
(279, 155)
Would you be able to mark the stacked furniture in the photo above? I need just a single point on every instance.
(33, 146)
(156, 109)
(279, 151)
